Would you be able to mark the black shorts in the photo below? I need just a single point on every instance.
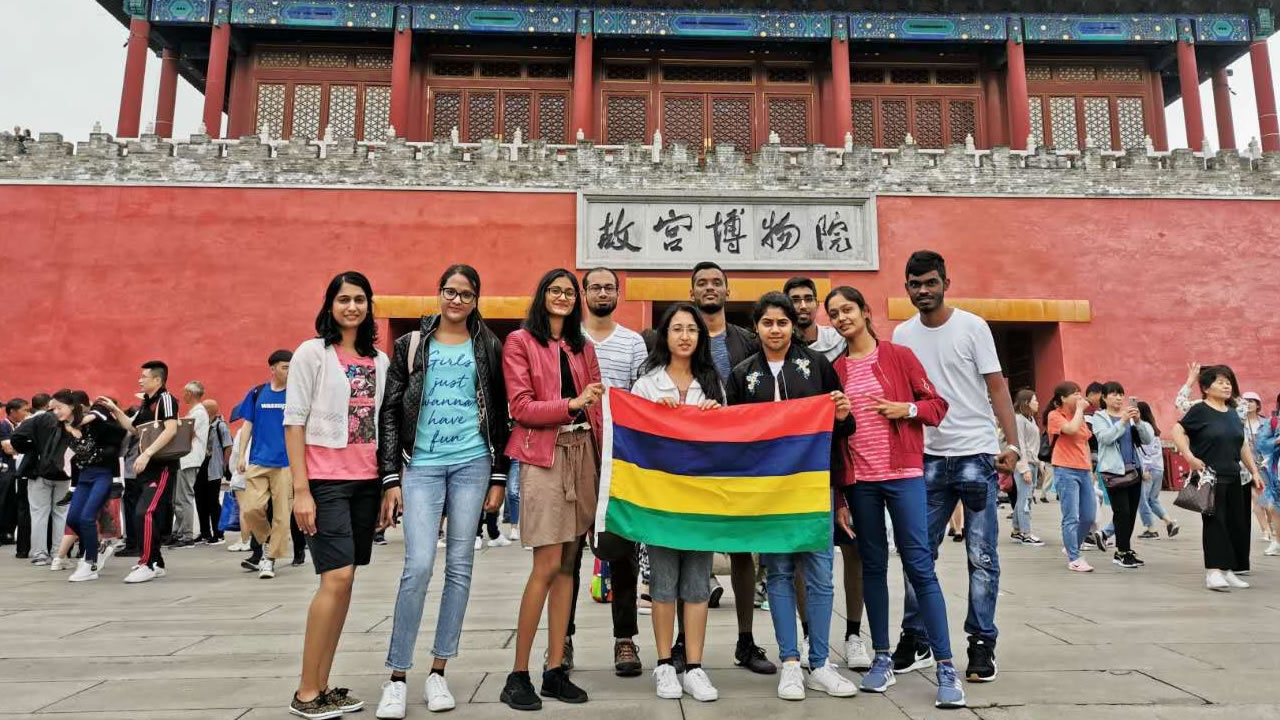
(346, 519)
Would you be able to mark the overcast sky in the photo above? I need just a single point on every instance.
(61, 71)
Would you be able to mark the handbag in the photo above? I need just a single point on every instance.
(230, 520)
(1197, 494)
(178, 446)
(1129, 477)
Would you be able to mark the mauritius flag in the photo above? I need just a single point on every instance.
(747, 478)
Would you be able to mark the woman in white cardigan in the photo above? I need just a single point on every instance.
(331, 433)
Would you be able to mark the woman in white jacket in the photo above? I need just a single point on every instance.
(680, 371)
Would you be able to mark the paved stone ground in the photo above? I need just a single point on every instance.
(211, 642)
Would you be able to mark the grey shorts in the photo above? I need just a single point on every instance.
(679, 575)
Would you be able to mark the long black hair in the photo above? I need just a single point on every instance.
(68, 397)
(854, 296)
(538, 322)
(703, 367)
(472, 277)
(328, 328)
(1148, 417)
(1064, 389)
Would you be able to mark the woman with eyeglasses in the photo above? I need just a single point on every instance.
(444, 427)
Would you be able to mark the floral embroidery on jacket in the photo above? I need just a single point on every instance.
(802, 364)
(753, 381)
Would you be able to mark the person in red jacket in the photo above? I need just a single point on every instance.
(884, 469)
(554, 390)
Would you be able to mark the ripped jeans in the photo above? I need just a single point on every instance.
(970, 480)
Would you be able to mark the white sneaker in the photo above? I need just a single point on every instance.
(668, 685)
(392, 704)
(239, 547)
(829, 680)
(1214, 580)
(437, 694)
(514, 535)
(1235, 582)
(500, 541)
(266, 569)
(60, 564)
(855, 654)
(140, 574)
(699, 686)
(160, 572)
(84, 571)
(1273, 549)
(804, 653)
(479, 542)
(791, 681)
(105, 554)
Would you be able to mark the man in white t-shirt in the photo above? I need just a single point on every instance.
(961, 455)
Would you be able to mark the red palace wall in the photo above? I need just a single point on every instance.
(101, 278)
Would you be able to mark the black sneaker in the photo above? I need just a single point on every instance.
(912, 653)
(677, 655)
(319, 708)
(129, 552)
(1122, 559)
(958, 537)
(250, 564)
(557, 686)
(1172, 528)
(752, 657)
(982, 661)
(1149, 535)
(380, 538)
(626, 658)
(518, 693)
(717, 592)
(299, 560)
(1133, 557)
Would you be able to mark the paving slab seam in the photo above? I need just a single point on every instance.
(184, 647)
(1190, 657)
(268, 610)
(82, 690)
(1166, 683)
(77, 632)
(1074, 615)
(1046, 632)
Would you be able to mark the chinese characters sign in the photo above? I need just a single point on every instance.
(772, 232)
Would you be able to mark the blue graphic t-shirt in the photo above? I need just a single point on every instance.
(449, 421)
(267, 416)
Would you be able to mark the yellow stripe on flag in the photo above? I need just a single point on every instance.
(804, 492)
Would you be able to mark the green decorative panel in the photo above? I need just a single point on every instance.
(314, 13)
(1212, 29)
(897, 26)
(1099, 28)
(181, 12)
(494, 19)
(727, 25)
(136, 8)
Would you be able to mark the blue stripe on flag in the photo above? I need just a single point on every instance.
(781, 456)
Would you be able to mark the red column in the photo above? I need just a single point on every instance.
(401, 65)
(583, 87)
(215, 79)
(1264, 88)
(996, 120)
(168, 93)
(1189, 78)
(841, 101)
(826, 121)
(242, 92)
(135, 71)
(1159, 131)
(1016, 89)
(1222, 110)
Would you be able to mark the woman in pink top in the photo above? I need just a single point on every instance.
(892, 402)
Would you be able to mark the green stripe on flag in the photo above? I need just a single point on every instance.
(799, 532)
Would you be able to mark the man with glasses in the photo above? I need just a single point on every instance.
(825, 339)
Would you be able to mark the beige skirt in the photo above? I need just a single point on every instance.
(558, 504)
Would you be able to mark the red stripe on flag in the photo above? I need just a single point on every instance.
(740, 423)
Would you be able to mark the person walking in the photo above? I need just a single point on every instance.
(333, 396)
(43, 446)
(213, 472)
(184, 493)
(1027, 471)
(1268, 449)
(95, 439)
(1211, 438)
(893, 401)
(1120, 433)
(1069, 435)
(1263, 509)
(14, 515)
(1152, 457)
(445, 410)
(265, 466)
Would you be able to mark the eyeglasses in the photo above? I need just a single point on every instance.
(804, 300)
(566, 293)
(466, 296)
(606, 289)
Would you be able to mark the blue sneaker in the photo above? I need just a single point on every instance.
(880, 677)
(950, 693)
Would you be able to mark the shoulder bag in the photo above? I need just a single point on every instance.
(1197, 493)
(177, 447)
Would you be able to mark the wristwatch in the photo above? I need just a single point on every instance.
(912, 410)
(1014, 449)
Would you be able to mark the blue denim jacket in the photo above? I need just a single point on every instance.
(1108, 430)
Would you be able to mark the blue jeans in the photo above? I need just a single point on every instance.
(92, 491)
(1149, 507)
(819, 594)
(970, 480)
(1022, 509)
(511, 508)
(1079, 507)
(905, 502)
(426, 490)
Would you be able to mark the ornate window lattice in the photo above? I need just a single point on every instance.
(731, 122)
(929, 123)
(499, 69)
(306, 112)
(1097, 122)
(956, 76)
(453, 68)
(1075, 73)
(1129, 119)
(548, 70)
(626, 71)
(789, 117)
(909, 76)
(1036, 110)
(446, 113)
(867, 75)
(626, 119)
(707, 73)
(517, 112)
(279, 58)
(1062, 114)
(1120, 73)
(342, 110)
(482, 115)
(271, 110)
(373, 61)
(786, 75)
(1039, 73)
(962, 121)
(864, 122)
(553, 117)
(327, 59)
(377, 112)
(893, 120)
(683, 121)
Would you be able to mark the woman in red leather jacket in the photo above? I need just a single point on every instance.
(554, 390)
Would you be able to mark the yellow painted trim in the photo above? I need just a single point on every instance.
(803, 492)
(741, 289)
(1006, 310)
(415, 306)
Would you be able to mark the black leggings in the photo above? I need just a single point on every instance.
(1124, 513)
(208, 506)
